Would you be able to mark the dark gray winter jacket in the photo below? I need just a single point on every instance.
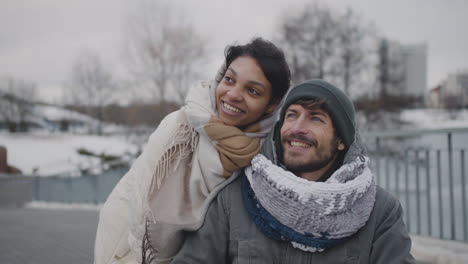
(230, 236)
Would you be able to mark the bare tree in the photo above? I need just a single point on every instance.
(310, 40)
(16, 103)
(355, 39)
(325, 44)
(164, 51)
(91, 86)
(391, 75)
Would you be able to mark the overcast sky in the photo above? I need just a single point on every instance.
(40, 39)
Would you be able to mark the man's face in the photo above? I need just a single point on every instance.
(308, 139)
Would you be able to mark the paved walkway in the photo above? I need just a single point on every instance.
(432, 250)
(39, 236)
(45, 236)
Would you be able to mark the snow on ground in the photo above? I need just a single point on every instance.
(50, 116)
(49, 154)
(58, 113)
(435, 118)
(62, 206)
(432, 250)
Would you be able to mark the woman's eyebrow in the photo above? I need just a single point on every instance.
(251, 81)
(257, 83)
(232, 70)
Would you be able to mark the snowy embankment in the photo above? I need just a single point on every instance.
(435, 118)
(48, 154)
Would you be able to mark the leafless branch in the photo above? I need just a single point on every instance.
(164, 52)
(16, 102)
(91, 85)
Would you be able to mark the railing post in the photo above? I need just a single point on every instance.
(463, 182)
(387, 173)
(377, 151)
(408, 218)
(69, 188)
(428, 194)
(439, 192)
(418, 193)
(397, 178)
(452, 199)
(36, 188)
(96, 188)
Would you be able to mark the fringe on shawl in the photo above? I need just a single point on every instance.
(148, 254)
(181, 145)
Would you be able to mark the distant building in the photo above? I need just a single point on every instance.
(415, 64)
(454, 90)
(435, 98)
(408, 67)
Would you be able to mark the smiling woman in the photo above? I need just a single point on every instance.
(243, 95)
(253, 83)
(194, 153)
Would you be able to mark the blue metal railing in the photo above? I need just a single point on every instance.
(85, 189)
(426, 170)
(90, 189)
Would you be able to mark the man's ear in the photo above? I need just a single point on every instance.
(341, 145)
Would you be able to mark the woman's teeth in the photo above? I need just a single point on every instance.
(232, 108)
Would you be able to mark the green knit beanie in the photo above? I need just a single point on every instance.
(339, 105)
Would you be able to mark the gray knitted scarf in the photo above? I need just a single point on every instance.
(328, 211)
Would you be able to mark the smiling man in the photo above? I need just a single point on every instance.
(309, 142)
(309, 198)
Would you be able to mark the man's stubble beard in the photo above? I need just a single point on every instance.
(314, 163)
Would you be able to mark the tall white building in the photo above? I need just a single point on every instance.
(409, 63)
(415, 65)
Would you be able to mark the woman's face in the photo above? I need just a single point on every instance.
(243, 95)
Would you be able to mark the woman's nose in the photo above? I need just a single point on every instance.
(235, 93)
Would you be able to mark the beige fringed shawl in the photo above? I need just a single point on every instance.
(194, 154)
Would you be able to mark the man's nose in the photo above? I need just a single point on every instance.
(299, 126)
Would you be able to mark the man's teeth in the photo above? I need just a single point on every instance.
(232, 108)
(299, 144)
